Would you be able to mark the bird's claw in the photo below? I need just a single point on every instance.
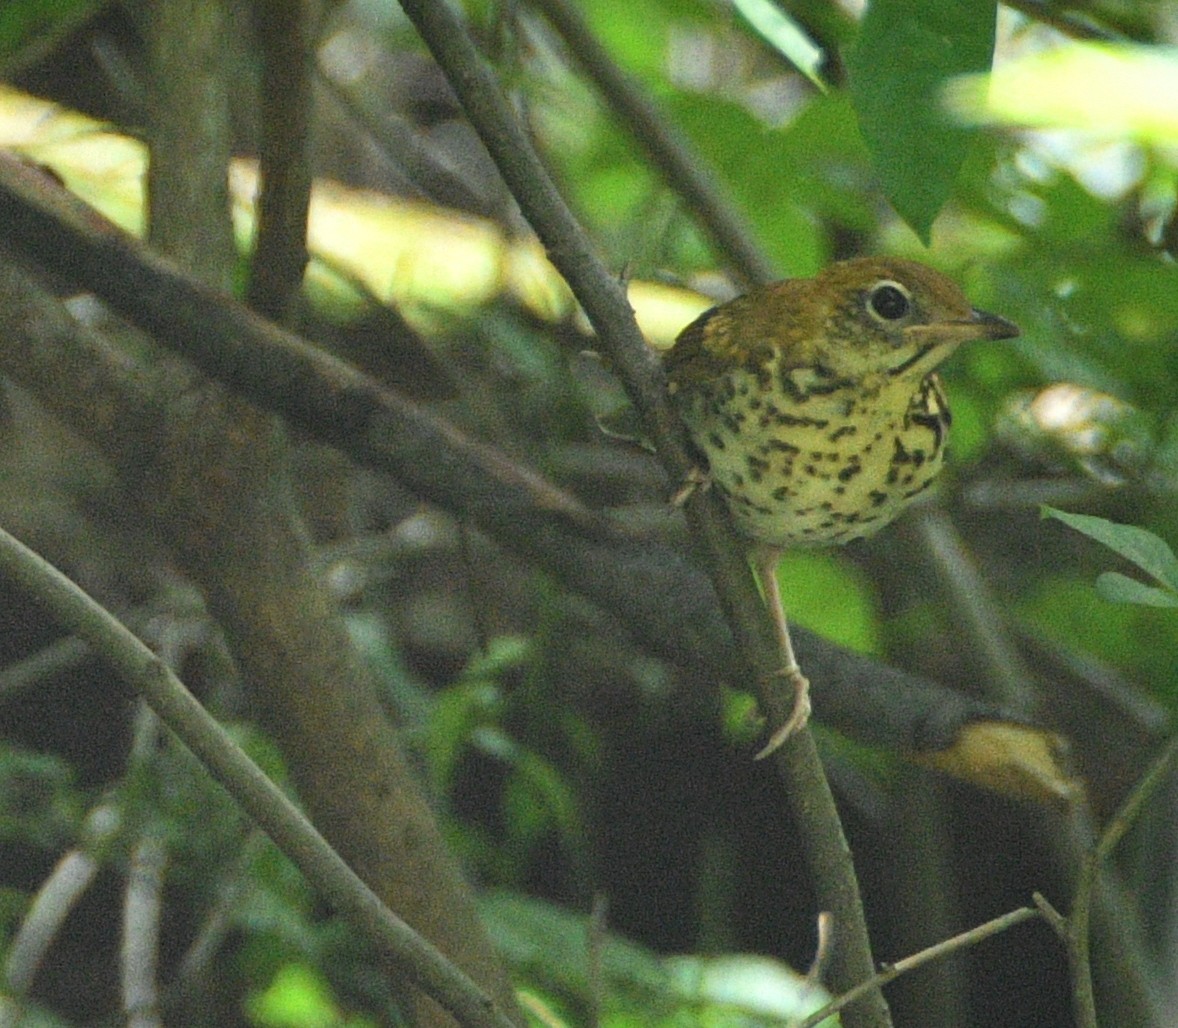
(799, 716)
(695, 479)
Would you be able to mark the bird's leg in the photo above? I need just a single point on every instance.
(696, 480)
(765, 561)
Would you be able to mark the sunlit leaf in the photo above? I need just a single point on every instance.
(299, 997)
(786, 36)
(429, 262)
(1120, 91)
(748, 986)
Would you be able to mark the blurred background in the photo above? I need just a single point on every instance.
(566, 761)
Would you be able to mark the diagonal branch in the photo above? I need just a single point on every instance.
(664, 602)
(266, 804)
(935, 952)
(684, 170)
(605, 304)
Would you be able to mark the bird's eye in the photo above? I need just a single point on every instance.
(888, 301)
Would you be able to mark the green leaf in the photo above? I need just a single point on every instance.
(550, 946)
(1118, 588)
(299, 997)
(809, 580)
(1114, 91)
(1137, 545)
(906, 52)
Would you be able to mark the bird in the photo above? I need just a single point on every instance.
(816, 413)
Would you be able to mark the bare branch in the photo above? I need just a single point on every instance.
(684, 170)
(265, 803)
(807, 791)
(941, 949)
(663, 601)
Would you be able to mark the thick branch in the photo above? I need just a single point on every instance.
(664, 602)
(219, 489)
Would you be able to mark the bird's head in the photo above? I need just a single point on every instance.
(889, 316)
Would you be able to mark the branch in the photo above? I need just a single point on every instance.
(665, 603)
(1076, 931)
(286, 31)
(683, 169)
(187, 177)
(935, 952)
(604, 302)
(57, 897)
(261, 799)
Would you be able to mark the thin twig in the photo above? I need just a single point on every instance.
(684, 170)
(976, 614)
(261, 799)
(1078, 934)
(424, 172)
(934, 952)
(142, 909)
(1059, 923)
(56, 897)
(191, 977)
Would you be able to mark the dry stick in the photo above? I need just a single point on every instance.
(934, 952)
(58, 895)
(1007, 677)
(605, 304)
(262, 800)
(1076, 927)
(684, 170)
(286, 34)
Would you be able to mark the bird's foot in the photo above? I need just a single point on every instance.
(695, 479)
(798, 717)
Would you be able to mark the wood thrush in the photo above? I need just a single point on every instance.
(816, 408)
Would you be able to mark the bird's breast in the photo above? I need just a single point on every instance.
(819, 465)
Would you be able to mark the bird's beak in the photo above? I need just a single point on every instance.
(991, 326)
(978, 325)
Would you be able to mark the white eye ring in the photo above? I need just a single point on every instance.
(889, 302)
